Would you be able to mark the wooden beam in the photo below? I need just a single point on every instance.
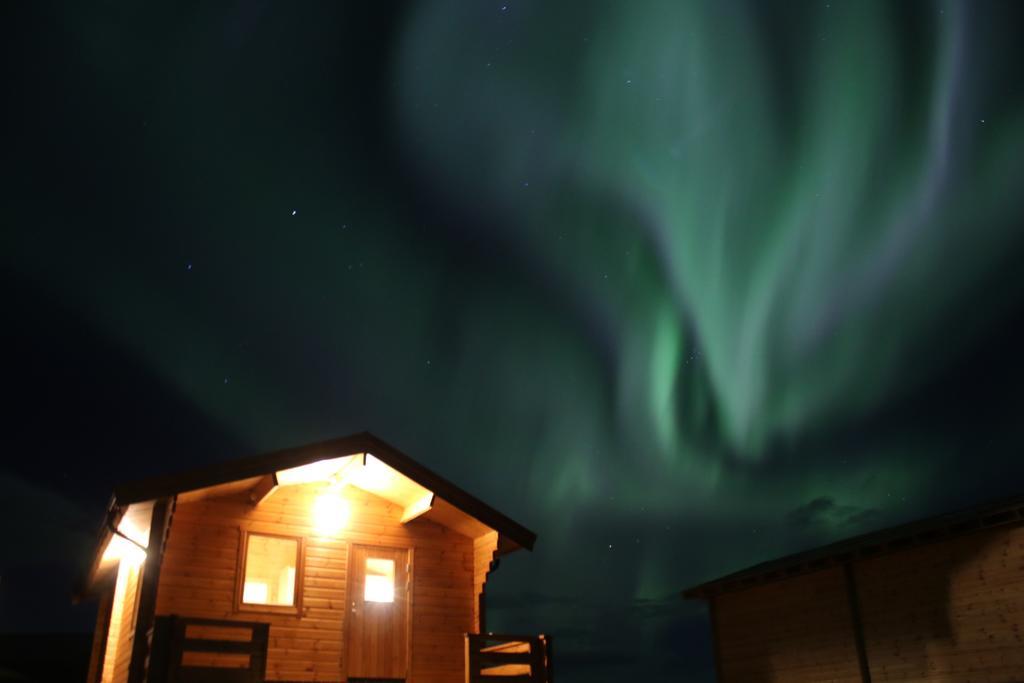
(99, 638)
(857, 624)
(263, 489)
(348, 471)
(146, 608)
(417, 508)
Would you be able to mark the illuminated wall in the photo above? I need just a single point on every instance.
(121, 633)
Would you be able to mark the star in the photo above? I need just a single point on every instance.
(294, 212)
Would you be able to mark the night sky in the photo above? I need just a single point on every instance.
(682, 287)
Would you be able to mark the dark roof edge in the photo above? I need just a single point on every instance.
(363, 442)
(872, 544)
(466, 502)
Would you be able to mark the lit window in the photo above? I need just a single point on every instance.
(255, 593)
(270, 563)
(380, 580)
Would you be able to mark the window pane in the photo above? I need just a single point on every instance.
(270, 570)
(380, 580)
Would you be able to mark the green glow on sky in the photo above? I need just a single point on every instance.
(648, 275)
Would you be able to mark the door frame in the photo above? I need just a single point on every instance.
(409, 602)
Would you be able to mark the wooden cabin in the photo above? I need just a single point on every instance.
(338, 561)
(941, 599)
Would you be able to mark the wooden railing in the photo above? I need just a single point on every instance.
(502, 658)
(189, 650)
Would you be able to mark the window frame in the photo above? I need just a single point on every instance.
(243, 551)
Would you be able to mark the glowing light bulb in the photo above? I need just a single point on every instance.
(330, 513)
(123, 550)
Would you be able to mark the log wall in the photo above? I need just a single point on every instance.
(121, 633)
(201, 561)
(484, 548)
(947, 612)
(796, 631)
(99, 636)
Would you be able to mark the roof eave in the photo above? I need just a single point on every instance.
(363, 442)
(932, 529)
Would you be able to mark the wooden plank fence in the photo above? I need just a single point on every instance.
(185, 651)
(503, 658)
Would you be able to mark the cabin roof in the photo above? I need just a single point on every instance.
(920, 532)
(449, 504)
(363, 442)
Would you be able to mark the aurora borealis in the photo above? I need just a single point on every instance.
(681, 286)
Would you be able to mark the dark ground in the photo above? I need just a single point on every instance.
(44, 657)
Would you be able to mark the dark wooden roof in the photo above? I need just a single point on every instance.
(923, 531)
(364, 442)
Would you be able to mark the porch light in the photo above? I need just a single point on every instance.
(121, 549)
(330, 513)
(127, 544)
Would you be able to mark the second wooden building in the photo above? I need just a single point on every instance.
(937, 601)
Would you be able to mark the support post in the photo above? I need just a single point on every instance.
(99, 637)
(548, 660)
(158, 526)
(858, 625)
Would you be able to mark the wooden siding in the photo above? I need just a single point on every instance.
(198, 579)
(949, 611)
(483, 555)
(99, 637)
(796, 631)
(121, 633)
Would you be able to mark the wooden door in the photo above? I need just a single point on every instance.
(378, 618)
